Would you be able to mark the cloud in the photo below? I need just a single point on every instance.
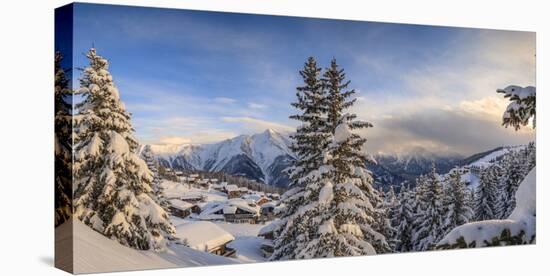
(174, 140)
(490, 108)
(452, 131)
(258, 125)
(225, 100)
(256, 105)
(194, 137)
(449, 104)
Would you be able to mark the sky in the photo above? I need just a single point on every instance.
(201, 77)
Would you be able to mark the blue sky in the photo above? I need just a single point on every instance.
(199, 77)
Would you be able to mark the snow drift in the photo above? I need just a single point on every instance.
(94, 253)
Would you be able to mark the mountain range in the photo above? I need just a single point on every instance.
(261, 157)
(264, 157)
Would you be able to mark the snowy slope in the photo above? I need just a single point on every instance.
(484, 161)
(260, 156)
(523, 218)
(94, 253)
(489, 158)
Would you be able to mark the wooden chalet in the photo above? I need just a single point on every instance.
(206, 236)
(234, 211)
(193, 198)
(232, 191)
(268, 211)
(182, 209)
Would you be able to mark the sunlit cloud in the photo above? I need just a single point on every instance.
(258, 124)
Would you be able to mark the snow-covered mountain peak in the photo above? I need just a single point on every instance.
(260, 156)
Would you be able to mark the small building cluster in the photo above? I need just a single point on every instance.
(202, 201)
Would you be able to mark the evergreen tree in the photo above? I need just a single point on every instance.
(522, 107)
(456, 203)
(338, 98)
(383, 223)
(308, 144)
(312, 136)
(472, 201)
(531, 157)
(513, 166)
(486, 194)
(149, 158)
(336, 216)
(63, 144)
(402, 217)
(429, 219)
(113, 193)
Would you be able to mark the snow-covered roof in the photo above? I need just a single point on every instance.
(269, 204)
(180, 204)
(232, 188)
(242, 204)
(254, 197)
(210, 217)
(192, 196)
(243, 189)
(270, 227)
(229, 207)
(203, 235)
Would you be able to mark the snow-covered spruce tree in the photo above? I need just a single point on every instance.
(341, 213)
(402, 217)
(456, 203)
(384, 217)
(430, 213)
(308, 144)
(530, 158)
(355, 203)
(487, 194)
(114, 194)
(522, 107)
(336, 215)
(63, 144)
(511, 175)
(149, 158)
